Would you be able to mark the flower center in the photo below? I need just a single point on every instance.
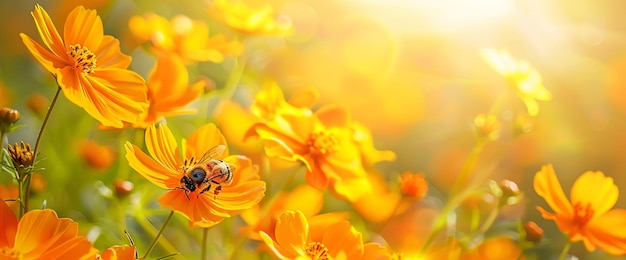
(317, 251)
(10, 253)
(84, 59)
(322, 143)
(582, 215)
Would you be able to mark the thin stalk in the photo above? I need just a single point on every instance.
(156, 238)
(26, 192)
(205, 240)
(565, 250)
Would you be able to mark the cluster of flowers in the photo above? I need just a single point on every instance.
(337, 153)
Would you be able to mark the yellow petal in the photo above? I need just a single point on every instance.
(548, 187)
(49, 61)
(163, 147)
(596, 190)
(109, 54)
(292, 231)
(608, 232)
(48, 32)
(83, 27)
(150, 169)
(203, 139)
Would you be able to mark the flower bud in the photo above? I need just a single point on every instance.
(22, 157)
(8, 117)
(534, 233)
(122, 188)
(413, 185)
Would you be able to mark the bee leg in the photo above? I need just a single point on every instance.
(205, 190)
(217, 191)
(187, 194)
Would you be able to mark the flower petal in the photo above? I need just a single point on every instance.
(596, 190)
(203, 139)
(292, 232)
(163, 147)
(608, 232)
(84, 27)
(240, 197)
(193, 207)
(49, 61)
(48, 32)
(150, 169)
(8, 225)
(341, 237)
(548, 187)
(109, 54)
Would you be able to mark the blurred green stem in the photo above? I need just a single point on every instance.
(158, 235)
(205, 235)
(25, 192)
(565, 250)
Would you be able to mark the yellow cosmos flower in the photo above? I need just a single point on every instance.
(184, 37)
(165, 168)
(89, 66)
(305, 199)
(248, 20)
(169, 90)
(587, 216)
(525, 79)
(41, 234)
(297, 237)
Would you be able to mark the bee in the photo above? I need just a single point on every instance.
(205, 172)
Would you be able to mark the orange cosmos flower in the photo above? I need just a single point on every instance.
(184, 37)
(41, 234)
(413, 185)
(89, 66)
(165, 168)
(587, 216)
(317, 238)
(168, 90)
(119, 252)
(524, 78)
(248, 20)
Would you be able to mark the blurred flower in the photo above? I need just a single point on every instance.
(119, 252)
(166, 168)
(524, 78)
(304, 198)
(10, 192)
(369, 154)
(38, 183)
(169, 90)
(8, 117)
(413, 185)
(89, 66)
(22, 157)
(41, 234)
(323, 141)
(496, 248)
(381, 204)
(5, 95)
(99, 157)
(184, 37)
(588, 217)
(297, 237)
(248, 20)
(534, 233)
(38, 103)
(487, 127)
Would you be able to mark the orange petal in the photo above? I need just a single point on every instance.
(203, 139)
(333, 115)
(118, 252)
(47, 59)
(608, 232)
(48, 32)
(75, 248)
(8, 225)
(292, 231)
(240, 197)
(150, 169)
(276, 248)
(195, 208)
(547, 186)
(596, 190)
(83, 27)
(163, 147)
(342, 237)
(109, 54)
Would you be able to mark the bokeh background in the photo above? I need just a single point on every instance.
(410, 71)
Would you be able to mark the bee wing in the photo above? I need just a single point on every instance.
(212, 153)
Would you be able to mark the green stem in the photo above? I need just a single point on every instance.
(205, 240)
(565, 250)
(461, 181)
(156, 238)
(26, 192)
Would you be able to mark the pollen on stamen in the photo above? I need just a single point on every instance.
(84, 59)
(322, 143)
(317, 251)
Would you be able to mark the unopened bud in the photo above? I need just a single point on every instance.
(8, 117)
(534, 233)
(122, 188)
